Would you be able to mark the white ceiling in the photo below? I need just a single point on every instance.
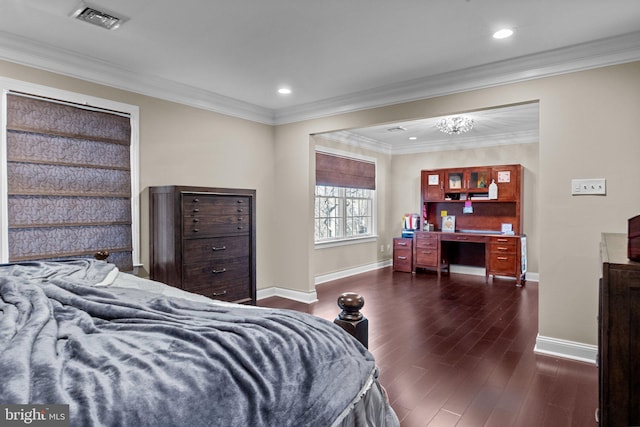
(514, 124)
(336, 55)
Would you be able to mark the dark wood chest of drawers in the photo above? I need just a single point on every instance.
(618, 334)
(202, 240)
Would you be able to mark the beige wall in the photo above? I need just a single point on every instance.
(188, 146)
(586, 131)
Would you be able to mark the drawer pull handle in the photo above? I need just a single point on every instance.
(402, 257)
(219, 294)
(195, 230)
(214, 271)
(223, 248)
(402, 244)
(502, 258)
(240, 227)
(240, 201)
(240, 210)
(502, 248)
(196, 200)
(462, 238)
(427, 252)
(196, 210)
(196, 220)
(502, 240)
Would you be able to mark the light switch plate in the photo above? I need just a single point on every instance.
(592, 186)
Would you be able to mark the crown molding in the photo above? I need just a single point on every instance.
(358, 141)
(62, 61)
(461, 142)
(600, 53)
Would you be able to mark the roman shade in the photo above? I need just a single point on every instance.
(339, 171)
(69, 181)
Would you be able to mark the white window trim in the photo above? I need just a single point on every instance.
(7, 85)
(374, 220)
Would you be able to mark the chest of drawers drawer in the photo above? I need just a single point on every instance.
(237, 290)
(218, 271)
(212, 225)
(214, 204)
(215, 249)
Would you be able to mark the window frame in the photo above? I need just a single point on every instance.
(374, 206)
(8, 85)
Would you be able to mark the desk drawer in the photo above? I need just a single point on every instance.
(503, 244)
(400, 243)
(461, 237)
(426, 243)
(503, 264)
(402, 260)
(427, 257)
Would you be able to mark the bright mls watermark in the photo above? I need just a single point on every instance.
(34, 415)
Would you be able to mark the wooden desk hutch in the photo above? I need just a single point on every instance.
(478, 239)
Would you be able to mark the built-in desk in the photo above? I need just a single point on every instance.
(501, 255)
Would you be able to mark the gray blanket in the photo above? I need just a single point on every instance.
(122, 357)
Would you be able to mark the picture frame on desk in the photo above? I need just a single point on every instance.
(449, 223)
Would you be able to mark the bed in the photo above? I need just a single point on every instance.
(125, 351)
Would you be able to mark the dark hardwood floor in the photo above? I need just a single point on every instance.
(459, 352)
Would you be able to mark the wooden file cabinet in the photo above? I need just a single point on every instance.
(203, 240)
(403, 254)
(503, 256)
(426, 251)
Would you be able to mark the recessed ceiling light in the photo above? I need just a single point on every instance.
(284, 91)
(413, 138)
(503, 33)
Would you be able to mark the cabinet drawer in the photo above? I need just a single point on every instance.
(400, 243)
(219, 271)
(427, 243)
(215, 249)
(503, 244)
(214, 204)
(231, 291)
(427, 257)
(201, 226)
(506, 264)
(402, 262)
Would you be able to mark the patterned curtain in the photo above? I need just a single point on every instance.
(69, 181)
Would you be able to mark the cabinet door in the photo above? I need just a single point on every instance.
(478, 179)
(454, 180)
(508, 180)
(432, 186)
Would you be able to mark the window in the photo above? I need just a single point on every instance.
(71, 177)
(344, 198)
(342, 213)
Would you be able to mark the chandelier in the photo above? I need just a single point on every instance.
(455, 125)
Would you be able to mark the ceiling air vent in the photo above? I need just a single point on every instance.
(93, 16)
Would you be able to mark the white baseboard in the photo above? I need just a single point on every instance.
(322, 278)
(305, 297)
(480, 271)
(310, 297)
(566, 349)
